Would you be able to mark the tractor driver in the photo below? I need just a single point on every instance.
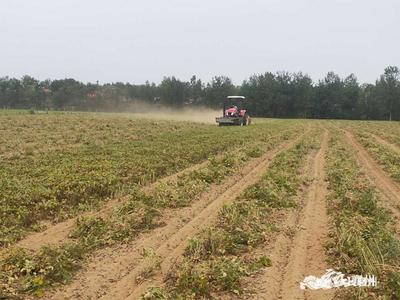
(236, 113)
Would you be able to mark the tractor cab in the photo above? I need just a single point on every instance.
(233, 112)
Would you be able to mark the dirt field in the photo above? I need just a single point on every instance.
(113, 206)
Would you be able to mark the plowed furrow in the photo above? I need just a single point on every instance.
(299, 251)
(58, 234)
(386, 143)
(113, 273)
(387, 188)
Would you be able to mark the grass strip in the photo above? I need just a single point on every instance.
(142, 212)
(58, 185)
(388, 159)
(363, 241)
(218, 257)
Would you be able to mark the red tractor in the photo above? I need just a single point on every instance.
(235, 114)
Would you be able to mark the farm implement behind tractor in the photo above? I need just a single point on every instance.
(235, 114)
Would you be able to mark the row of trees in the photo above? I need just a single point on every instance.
(281, 95)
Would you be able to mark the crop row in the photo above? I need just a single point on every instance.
(363, 240)
(32, 135)
(386, 157)
(58, 184)
(142, 212)
(389, 131)
(220, 256)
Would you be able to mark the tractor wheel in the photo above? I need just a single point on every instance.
(246, 120)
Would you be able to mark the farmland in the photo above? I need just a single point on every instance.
(114, 206)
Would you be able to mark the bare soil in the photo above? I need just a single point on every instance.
(58, 234)
(299, 250)
(113, 273)
(386, 143)
(388, 189)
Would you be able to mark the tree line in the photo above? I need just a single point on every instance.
(278, 95)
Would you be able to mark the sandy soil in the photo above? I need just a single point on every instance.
(58, 234)
(113, 273)
(298, 251)
(388, 189)
(386, 143)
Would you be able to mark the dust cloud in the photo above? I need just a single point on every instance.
(191, 114)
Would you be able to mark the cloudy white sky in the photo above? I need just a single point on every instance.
(134, 41)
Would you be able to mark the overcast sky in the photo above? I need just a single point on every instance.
(134, 41)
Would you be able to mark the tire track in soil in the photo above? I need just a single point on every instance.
(58, 234)
(386, 143)
(112, 272)
(299, 250)
(386, 187)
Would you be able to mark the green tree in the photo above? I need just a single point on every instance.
(217, 90)
(260, 91)
(173, 91)
(389, 90)
(302, 94)
(11, 93)
(351, 98)
(328, 97)
(195, 90)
